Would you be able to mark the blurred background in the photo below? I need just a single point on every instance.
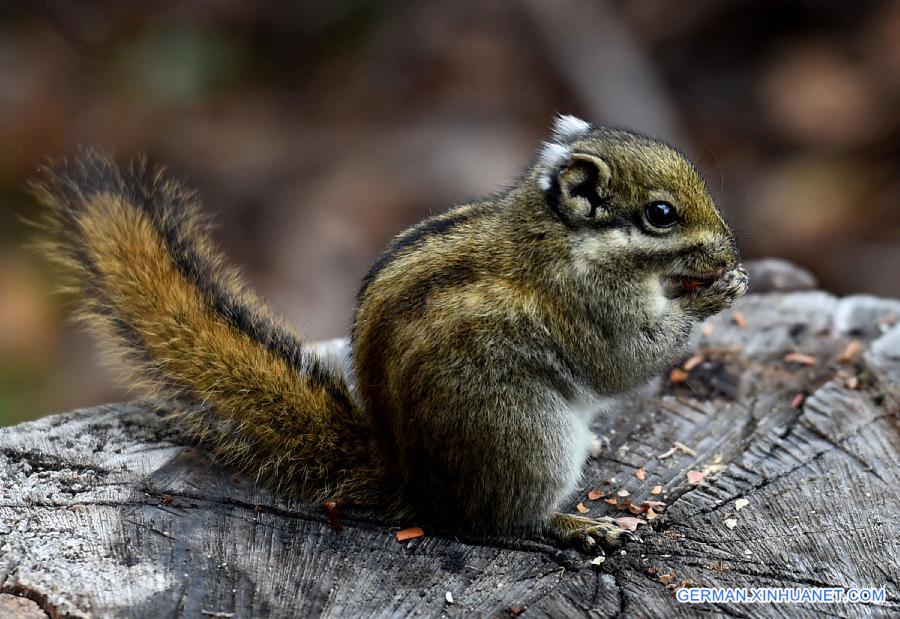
(316, 130)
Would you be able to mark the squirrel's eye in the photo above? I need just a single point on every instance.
(661, 214)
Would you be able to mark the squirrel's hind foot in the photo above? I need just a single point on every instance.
(587, 534)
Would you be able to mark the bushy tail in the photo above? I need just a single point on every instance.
(158, 295)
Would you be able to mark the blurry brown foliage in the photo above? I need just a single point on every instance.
(316, 130)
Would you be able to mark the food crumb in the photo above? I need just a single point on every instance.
(667, 454)
(731, 522)
(409, 533)
(801, 358)
(850, 351)
(598, 445)
(678, 376)
(692, 362)
(684, 449)
(713, 468)
(449, 597)
(629, 523)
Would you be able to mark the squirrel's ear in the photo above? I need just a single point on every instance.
(583, 185)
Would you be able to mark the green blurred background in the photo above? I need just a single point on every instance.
(316, 130)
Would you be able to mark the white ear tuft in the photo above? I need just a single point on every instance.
(552, 156)
(567, 127)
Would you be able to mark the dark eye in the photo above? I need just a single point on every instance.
(661, 214)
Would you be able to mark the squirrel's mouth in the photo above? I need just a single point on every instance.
(681, 284)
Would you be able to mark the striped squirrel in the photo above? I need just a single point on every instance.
(484, 339)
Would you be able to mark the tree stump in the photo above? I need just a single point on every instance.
(788, 411)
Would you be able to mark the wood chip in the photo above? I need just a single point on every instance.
(410, 533)
(693, 362)
(656, 490)
(611, 501)
(684, 449)
(595, 494)
(850, 351)
(634, 509)
(798, 400)
(598, 560)
(695, 477)
(641, 474)
(678, 376)
(739, 319)
(666, 578)
(731, 522)
(629, 523)
(740, 504)
(801, 358)
(581, 508)
(650, 514)
(623, 492)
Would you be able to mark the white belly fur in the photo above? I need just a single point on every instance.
(575, 441)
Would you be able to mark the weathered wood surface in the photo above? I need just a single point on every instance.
(107, 512)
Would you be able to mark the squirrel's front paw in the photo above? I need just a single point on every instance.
(586, 534)
(720, 294)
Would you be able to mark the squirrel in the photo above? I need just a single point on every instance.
(484, 339)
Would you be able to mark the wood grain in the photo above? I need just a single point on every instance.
(108, 512)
